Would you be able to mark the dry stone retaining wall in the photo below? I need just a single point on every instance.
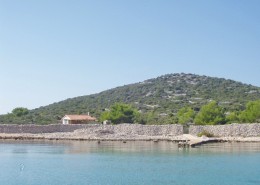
(36, 129)
(131, 129)
(244, 130)
(235, 130)
(136, 129)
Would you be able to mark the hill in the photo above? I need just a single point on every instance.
(163, 96)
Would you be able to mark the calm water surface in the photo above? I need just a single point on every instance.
(114, 163)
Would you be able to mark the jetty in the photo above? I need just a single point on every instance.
(192, 141)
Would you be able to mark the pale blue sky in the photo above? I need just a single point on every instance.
(51, 50)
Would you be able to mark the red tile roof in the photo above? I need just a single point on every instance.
(81, 117)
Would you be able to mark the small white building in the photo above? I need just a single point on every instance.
(106, 122)
(78, 119)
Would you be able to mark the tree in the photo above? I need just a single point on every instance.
(210, 114)
(120, 113)
(154, 118)
(252, 112)
(151, 118)
(185, 115)
(20, 111)
(232, 117)
(170, 119)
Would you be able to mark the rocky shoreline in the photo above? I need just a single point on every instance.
(94, 132)
(82, 135)
(131, 132)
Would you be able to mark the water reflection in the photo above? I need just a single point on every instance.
(233, 147)
(121, 147)
(142, 147)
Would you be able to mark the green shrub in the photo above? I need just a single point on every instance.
(252, 112)
(210, 114)
(205, 133)
(120, 113)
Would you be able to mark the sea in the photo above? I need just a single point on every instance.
(130, 163)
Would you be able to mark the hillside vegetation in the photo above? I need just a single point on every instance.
(157, 100)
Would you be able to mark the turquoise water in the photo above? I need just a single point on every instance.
(114, 163)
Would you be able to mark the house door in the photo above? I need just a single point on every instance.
(65, 121)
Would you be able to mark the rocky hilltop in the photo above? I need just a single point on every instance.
(163, 96)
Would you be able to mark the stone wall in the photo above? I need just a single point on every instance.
(244, 130)
(136, 129)
(131, 129)
(35, 129)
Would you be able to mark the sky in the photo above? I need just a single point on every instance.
(51, 50)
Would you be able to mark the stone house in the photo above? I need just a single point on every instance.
(78, 119)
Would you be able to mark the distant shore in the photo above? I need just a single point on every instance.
(132, 132)
(80, 136)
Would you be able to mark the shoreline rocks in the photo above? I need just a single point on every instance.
(128, 132)
(229, 130)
